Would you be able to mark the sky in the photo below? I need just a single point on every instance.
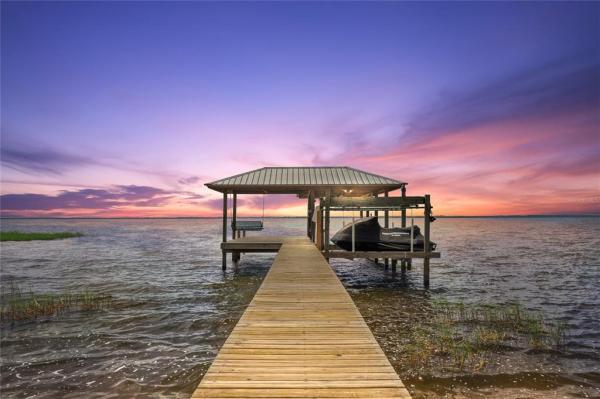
(128, 108)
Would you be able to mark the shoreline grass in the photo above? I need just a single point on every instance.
(24, 236)
(17, 305)
(462, 336)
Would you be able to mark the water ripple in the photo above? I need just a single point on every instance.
(174, 306)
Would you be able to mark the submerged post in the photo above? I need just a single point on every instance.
(224, 264)
(427, 217)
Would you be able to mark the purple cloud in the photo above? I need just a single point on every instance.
(560, 86)
(45, 161)
(93, 199)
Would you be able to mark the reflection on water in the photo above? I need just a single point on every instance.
(174, 306)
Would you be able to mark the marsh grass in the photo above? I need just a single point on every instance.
(17, 305)
(23, 236)
(462, 336)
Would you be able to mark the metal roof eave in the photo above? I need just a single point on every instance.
(301, 179)
(302, 190)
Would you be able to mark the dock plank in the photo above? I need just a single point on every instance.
(301, 337)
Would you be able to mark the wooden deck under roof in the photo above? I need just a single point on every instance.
(259, 243)
(266, 244)
(301, 337)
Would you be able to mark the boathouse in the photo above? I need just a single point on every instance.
(326, 189)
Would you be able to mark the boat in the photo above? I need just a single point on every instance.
(370, 236)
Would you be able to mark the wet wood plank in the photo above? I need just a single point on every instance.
(300, 337)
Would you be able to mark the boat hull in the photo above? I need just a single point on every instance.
(370, 236)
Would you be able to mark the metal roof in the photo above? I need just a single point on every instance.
(300, 180)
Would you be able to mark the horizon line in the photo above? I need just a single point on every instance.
(290, 217)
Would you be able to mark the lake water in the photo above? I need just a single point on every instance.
(173, 306)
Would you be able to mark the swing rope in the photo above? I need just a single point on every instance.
(262, 220)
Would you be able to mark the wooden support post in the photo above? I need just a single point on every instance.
(426, 222)
(403, 219)
(224, 264)
(360, 214)
(326, 235)
(376, 214)
(386, 224)
(234, 256)
(403, 224)
(319, 232)
(309, 214)
(234, 216)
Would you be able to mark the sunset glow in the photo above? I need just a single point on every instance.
(128, 109)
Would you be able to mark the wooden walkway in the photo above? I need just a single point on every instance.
(259, 243)
(301, 337)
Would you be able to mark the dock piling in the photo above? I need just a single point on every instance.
(426, 223)
(224, 264)
(327, 212)
(403, 221)
(386, 223)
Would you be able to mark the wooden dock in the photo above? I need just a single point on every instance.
(261, 243)
(268, 244)
(301, 337)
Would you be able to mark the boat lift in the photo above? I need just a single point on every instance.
(376, 204)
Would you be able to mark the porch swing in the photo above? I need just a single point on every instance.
(251, 225)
